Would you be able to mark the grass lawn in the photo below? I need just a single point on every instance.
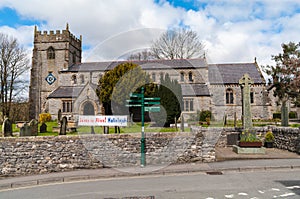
(53, 128)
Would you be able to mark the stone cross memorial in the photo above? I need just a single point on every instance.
(245, 83)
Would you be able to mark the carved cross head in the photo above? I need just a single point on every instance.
(245, 81)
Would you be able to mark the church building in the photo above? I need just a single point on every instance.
(61, 82)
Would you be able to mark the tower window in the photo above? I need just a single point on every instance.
(51, 53)
(229, 96)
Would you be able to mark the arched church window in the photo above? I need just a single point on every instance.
(51, 53)
(161, 75)
(82, 79)
(190, 76)
(74, 79)
(229, 96)
(182, 76)
(251, 96)
(154, 77)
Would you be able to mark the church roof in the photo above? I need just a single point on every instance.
(192, 90)
(231, 73)
(146, 65)
(73, 92)
(66, 92)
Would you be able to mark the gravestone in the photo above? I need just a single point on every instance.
(59, 116)
(182, 123)
(245, 83)
(63, 126)
(225, 119)
(25, 130)
(33, 127)
(43, 128)
(234, 120)
(7, 128)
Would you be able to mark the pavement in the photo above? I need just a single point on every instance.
(227, 161)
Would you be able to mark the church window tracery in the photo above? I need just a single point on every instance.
(51, 53)
(229, 96)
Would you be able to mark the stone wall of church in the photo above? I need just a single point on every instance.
(261, 108)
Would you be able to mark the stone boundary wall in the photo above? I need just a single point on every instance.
(285, 138)
(38, 155)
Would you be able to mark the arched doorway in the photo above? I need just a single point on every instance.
(88, 109)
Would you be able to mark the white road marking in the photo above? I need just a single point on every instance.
(229, 196)
(287, 194)
(274, 189)
(293, 187)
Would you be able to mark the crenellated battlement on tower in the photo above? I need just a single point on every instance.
(57, 36)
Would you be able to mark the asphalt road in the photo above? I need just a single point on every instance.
(264, 184)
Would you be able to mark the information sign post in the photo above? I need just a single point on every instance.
(138, 100)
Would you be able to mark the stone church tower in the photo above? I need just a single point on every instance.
(53, 53)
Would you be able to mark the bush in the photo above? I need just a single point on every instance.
(44, 117)
(276, 115)
(269, 137)
(292, 114)
(204, 115)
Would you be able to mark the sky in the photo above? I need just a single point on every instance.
(232, 31)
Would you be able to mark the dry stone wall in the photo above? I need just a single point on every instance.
(287, 138)
(37, 155)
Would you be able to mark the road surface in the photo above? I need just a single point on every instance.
(255, 185)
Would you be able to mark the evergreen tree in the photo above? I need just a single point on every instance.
(285, 77)
(116, 85)
(170, 94)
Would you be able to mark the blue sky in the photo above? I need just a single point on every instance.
(10, 17)
(231, 30)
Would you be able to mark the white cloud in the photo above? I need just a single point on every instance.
(232, 31)
(24, 34)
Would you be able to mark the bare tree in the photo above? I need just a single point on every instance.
(13, 63)
(177, 44)
(141, 56)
